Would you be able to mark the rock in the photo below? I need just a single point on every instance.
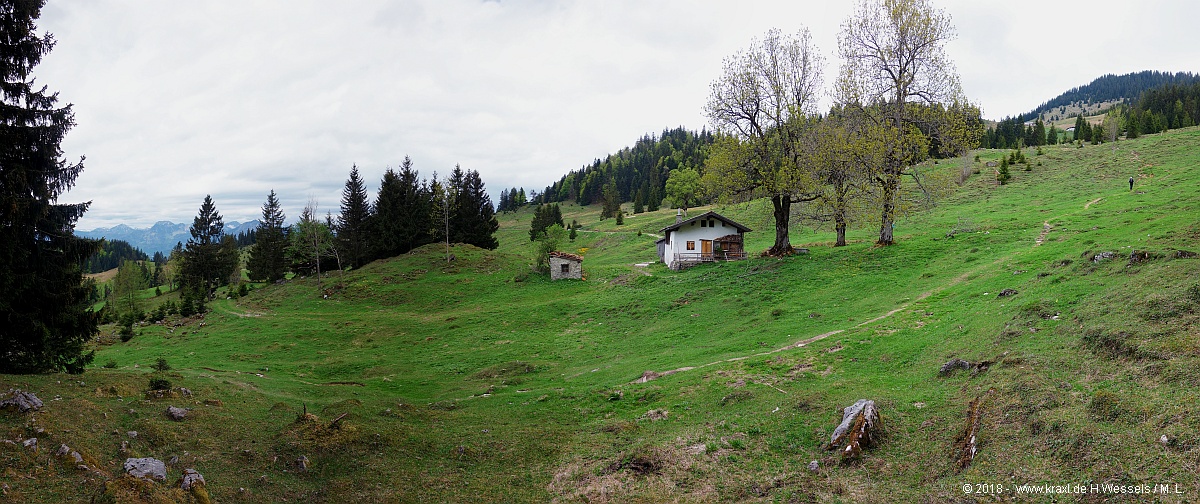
(953, 365)
(1007, 293)
(146, 468)
(22, 401)
(124, 446)
(174, 460)
(31, 443)
(191, 477)
(1183, 254)
(814, 466)
(76, 457)
(132, 434)
(62, 450)
(1166, 441)
(185, 392)
(302, 463)
(1103, 256)
(176, 414)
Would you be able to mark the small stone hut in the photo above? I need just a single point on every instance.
(564, 265)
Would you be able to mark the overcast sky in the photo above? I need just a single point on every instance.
(175, 100)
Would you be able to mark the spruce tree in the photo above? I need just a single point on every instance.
(354, 220)
(45, 318)
(472, 217)
(402, 212)
(267, 261)
(207, 262)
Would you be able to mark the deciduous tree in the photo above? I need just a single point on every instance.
(757, 106)
(896, 70)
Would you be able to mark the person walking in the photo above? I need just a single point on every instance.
(1130, 183)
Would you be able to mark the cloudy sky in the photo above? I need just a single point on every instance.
(175, 100)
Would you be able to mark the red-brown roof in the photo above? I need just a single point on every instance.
(564, 255)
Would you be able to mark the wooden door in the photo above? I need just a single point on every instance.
(706, 248)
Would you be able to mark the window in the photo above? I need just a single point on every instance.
(691, 245)
(703, 223)
(566, 268)
(712, 223)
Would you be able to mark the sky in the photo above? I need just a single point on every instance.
(177, 100)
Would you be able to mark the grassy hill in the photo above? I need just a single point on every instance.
(477, 380)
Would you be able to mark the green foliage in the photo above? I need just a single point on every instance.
(683, 188)
(354, 222)
(549, 241)
(45, 321)
(1002, 175)
(267, 258)
(161, 365)
(409, 212)
(210, 257)
(157, 383)
(111, 254)
(544, 216)
(472, 217)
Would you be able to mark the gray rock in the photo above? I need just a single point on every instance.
(176, 414)
(147, 468)
(62, 450)
(22, 401)
(1007, 293)
(814, 466)
(192, 477)
(302, 463)
(132, 434)
(77, 457)
(31, 443)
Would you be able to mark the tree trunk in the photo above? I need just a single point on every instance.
(783, 215)
(888, 216)
(839, 217)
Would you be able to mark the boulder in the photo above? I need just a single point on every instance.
(22, 401)
(814, 466)
(31, 443)
(1007, 293)
(146, 468)
(63, 450)
(859, 429)
(191, 477)
(953, 365)
(176, 414)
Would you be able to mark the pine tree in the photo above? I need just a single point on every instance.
(45, 319)
(206, 262)
(403, 215)
(353, 222)
(267, 261)
(472, 217)
(1003, 175)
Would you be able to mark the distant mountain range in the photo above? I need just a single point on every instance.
(161, 237)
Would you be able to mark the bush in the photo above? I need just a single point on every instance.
(243, 290)
(160, 384)
(111, 364)
(161, 365)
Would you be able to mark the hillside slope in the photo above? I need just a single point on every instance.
(474, 379)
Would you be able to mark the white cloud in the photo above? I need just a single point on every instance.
(178, 100)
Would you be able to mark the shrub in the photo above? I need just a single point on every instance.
(160, 384)
(161, 365)
(111, 364)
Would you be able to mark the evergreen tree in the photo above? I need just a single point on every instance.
(1052, 135)
(45, 319)
(206, 263)
(472, 217)
(1039, 133)
(402, 219)
(353, 222)
(1003, 175)
(266, 261)
(544, 216)
(612, 200)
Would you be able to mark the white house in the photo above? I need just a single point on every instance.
(704, 238)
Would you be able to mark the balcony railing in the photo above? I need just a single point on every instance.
(690, 258)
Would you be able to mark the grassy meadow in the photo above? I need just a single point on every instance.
(418, 379)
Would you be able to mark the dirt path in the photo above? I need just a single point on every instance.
(1046, 227)
(651, 375)
(1090, 203)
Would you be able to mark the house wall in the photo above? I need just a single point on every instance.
(574, 269)
(677, 244)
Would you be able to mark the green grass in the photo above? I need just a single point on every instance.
(478, 380)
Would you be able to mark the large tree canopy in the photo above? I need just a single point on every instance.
(45, 320)
(896, 73)
(759, 105)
